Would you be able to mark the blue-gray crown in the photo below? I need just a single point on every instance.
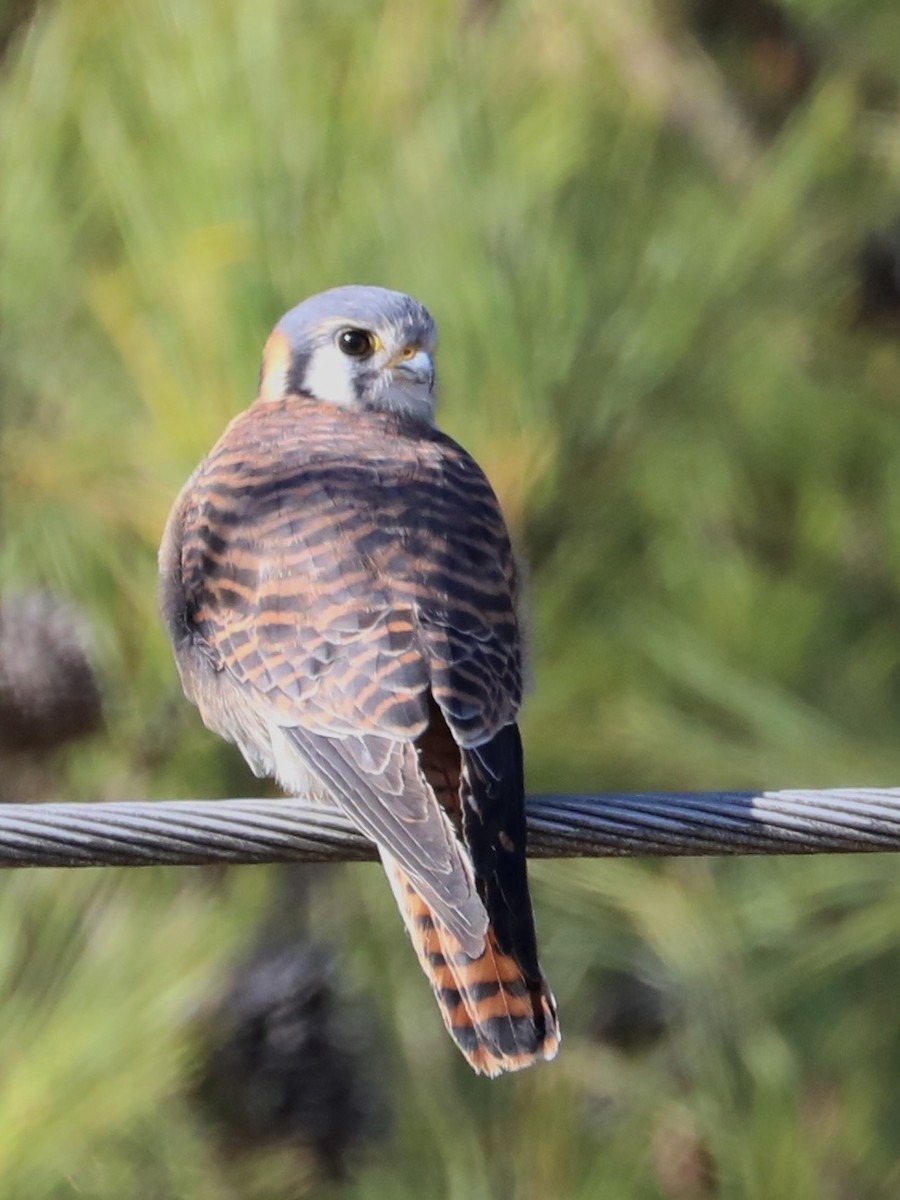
(372, 307)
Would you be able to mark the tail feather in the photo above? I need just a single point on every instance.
(499, 1019)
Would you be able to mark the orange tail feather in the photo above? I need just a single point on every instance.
(500, 1020)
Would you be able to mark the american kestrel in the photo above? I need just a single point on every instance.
(338, 584)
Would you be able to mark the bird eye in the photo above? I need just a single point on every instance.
(357, 343)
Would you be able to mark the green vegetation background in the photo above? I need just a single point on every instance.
(640, 237)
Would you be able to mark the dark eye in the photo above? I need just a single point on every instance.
(357, 343)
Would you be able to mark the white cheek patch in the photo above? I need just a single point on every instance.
(329, 377)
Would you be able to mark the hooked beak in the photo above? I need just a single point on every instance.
(419, 368)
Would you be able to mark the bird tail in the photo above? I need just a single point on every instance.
(500, 1019)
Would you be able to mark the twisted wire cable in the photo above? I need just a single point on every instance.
(192, 832)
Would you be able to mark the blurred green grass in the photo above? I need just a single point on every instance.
(648, 337)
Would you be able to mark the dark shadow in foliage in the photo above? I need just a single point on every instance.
(879, 281)
(769, 61)
(288, 1062)
(49, 692)
(633, 1012)
(15, 17)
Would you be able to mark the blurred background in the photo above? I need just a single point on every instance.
(662, 244)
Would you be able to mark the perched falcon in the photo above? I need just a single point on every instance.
(339, 588)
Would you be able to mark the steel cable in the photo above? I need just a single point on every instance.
(145, 833)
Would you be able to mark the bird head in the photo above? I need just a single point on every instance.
(356, 347)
